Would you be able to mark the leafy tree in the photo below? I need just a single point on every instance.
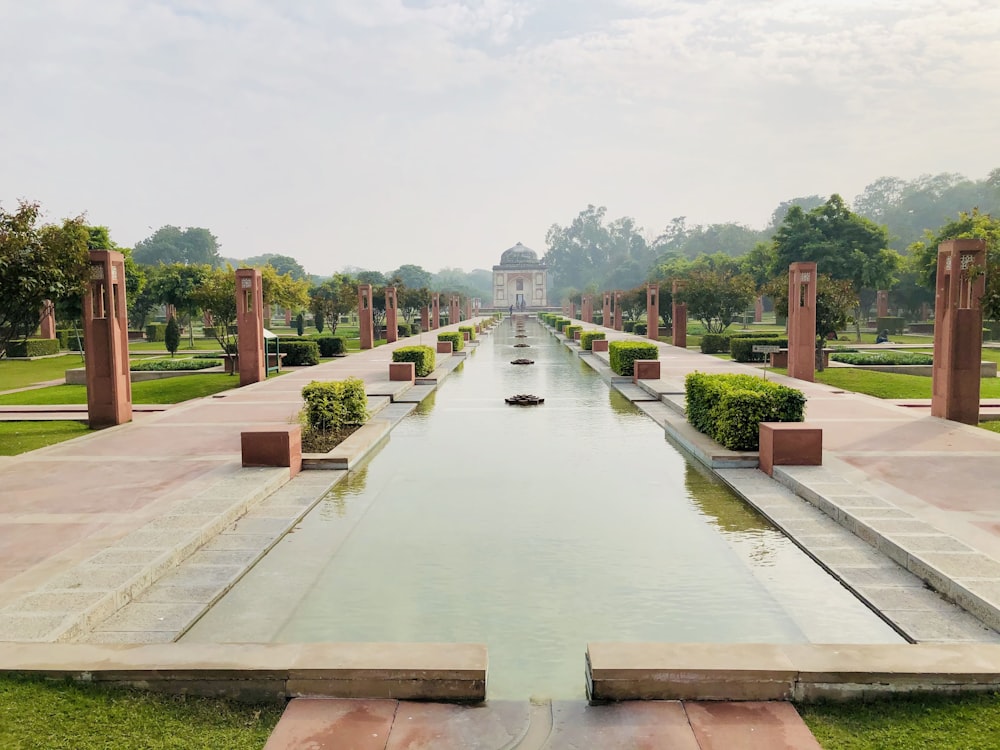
(300, 322)
(412, 276)
(716, 297)
(835, 298)
(634, 303)
(216, 294)
(283, 290)
(806, 203)
(319, 321)
(170, 244)
(333, 298)
(375, 278)
(411, 301)
(283, 264)
(37, 263)
(176, 284)
(729, 238)
(172, 336)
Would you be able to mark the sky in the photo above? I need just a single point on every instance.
(374, 133)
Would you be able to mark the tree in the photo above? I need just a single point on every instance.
(716, 297)
(333, 298)
(172, 336)
(283, 290)
(412, 301)
(176, 284)
(300, 322)
(319, 321)
(283, 264)
(216, 294)
(170, 244)
(412, 276)
(835, 298)
(634, 303)
(37, 263)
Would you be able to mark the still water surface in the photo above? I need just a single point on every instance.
(535, 530)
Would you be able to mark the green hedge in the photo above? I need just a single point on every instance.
(403, 330)
(209, 331)
(455, 337)
(422, 358)
(628, 326)
(331, 346)
(169, 365)
(333, 405)
(640, 329)
(156, 332)
(882, 358)
(298, 353)
(562, 324)
(570, 331)
(893, 325)
(471, 330)
(33, 348)
(63, 336)
(587, 338)
(622, 355)
(742, 348)
(714, 343)
(729, 408)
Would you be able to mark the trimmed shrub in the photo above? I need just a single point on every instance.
(471, 330)
(570, 331)
(628, 326)
(331, 346)
(415, 328)
(300, 323)
(561, 324)
(742, 348)
(172, 336)
(168, 365)
(403, 330)
(334, 405)
(882, 358)
(587, 338)
(63, 336)
(455, 337)
(893, 325)
(422, 358)
(640, 329)
(156, 331)
(714, 343)
(298, 353)
(33, 348)
(622, 355)
(729, 408)
(209, 331)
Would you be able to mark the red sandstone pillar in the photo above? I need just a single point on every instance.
(653, 311)
(288, 316)
(802, 321)
(606, 312)
(882, 303)
(572, 311)
(366, 324)
(454, 310)
(105, 326)
(958, 330)
(758, 310)
(206, 319)
(679, 317)
(425, 318)
(47, 320)
(587, 308)
(391, 322)
(435, 310)
(618, 309)
(468, 309)
(250, 326)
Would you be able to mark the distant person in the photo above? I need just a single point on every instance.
(883, 337)
(512, 311)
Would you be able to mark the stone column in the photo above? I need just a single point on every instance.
(206, 319)
(435, 310)
(653, 311)
(169, 311)
(288, 316)
(425, 318)
(250, 326)
(925, 312)
(618, 309)
(47, 320)
(758, 310)
(572, 311)
(958, 330)
(454, 310)
(468, 309)
(105, 326)
(606, 312)
(882, 303)
(366, 324)
(587, 308)
(391, 324)
(802, 321)
(679, 317)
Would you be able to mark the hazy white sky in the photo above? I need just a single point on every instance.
(440, 132)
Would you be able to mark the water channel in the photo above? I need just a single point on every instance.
(535, 530)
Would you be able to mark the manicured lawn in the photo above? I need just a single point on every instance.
(210, 345)
(993, 425)
(21, 437)
(970, 722)
(66, 716)
(18, 374)
(889, 385)
(168, 391)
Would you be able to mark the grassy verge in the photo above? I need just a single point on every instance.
(167, 391)
(933, 722)
(18, 374)
(890, 385)
(993, 425)
(61, 716)
(21, 437)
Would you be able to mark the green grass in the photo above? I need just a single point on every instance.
(23, 373)
(167, 391)
(21, 437)
(889, 385)
(993, 425)
(933, 722)
(210, 345)
(66, 716)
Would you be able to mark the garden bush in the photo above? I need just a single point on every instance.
(892, 324)
(741, 349)
(335, 405)
(471, 330)
(156, 331)
(331, 346)
(729, 408)
(456, 339)
(714, 343)
(587, 338)
(33, 348)
(298, 353)
(562, 323)
(570, 331)
(172, 336)
(63, 336)
(628, 326)
(170, 365)
(209, 331)
(640, 329)
(882, 358)
(403, 330)
(622, 355)
(422, 358)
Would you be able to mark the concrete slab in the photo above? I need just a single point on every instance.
(749, 726)
(646, 724)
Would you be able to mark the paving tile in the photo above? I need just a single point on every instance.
(749, 726)
(152, 616)
(320, 724)
(440, 726)
(633, 724)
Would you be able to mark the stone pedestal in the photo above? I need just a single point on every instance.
(47, 320)
(653, 311)
(250, 326)
(444, 347)
(679, 317)
(618, 309)
(606, 311)
(278, 445)
(599, 345)
(425, 319)
(958, 330)
(802, 321)
(435, 310)
(882, 303)
(789, 444)
(105, 325)
(391, 315)
(405, 371)
(758, 310)
(645, 369)
(366, 323)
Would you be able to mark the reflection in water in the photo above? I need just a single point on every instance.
(534, 530)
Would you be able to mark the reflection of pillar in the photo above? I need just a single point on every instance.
(250, 325)
(365, 322)
(391, 325)
(435, 310)
(802, 321)
(882, 303)
(679, 316)
(618, 309)
(958, 330)
(105, 329)
(47, 320)
(653, 311)
(758, 310)
(425, 318)
(606, 312)
(587, 308)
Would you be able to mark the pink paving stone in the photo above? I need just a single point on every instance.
(159, 440)
(324, 724)
(638, 725)
(933, 479)
(441, 726)
(749, 726)
(227, 411)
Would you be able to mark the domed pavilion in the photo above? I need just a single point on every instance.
(519, 280)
